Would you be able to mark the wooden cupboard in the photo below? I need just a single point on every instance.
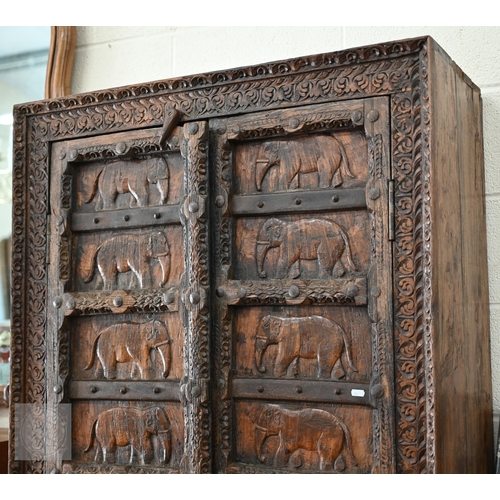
(279, 268)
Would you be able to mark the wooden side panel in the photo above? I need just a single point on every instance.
(460, 345)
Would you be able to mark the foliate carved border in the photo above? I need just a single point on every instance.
(413, 346)
(195, 384)
(380, 69)
(397, 68)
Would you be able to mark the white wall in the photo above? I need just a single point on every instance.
(115, 56)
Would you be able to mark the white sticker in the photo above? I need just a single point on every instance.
(357, 393)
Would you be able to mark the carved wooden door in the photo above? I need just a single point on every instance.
(128, 292)
(298, 374)
(302, 302)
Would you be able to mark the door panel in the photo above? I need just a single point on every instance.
(302, 314)
(128, 301)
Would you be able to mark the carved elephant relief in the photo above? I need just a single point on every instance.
(134, 427)
(128, 176)
(323, 154)
(311, 430)
(128, 252)
(307, 239)
(311, 337)
(130, 342)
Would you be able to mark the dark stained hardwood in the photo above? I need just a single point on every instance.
(274, 269)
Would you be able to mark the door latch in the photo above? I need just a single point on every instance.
(172, 117)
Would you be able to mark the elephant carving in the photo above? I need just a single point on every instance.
(311, 430)
(134, 427)
(128, 176)
(307, 239)
(323, 154)
(314, 337)
(132, 342)
(124, 253)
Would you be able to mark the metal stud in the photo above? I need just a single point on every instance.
(121, 147)
(118, 301)
(374, 193)
(195, 298)
(372, 115)
(193, 128)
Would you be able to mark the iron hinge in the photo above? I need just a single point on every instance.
(49, 232)
(391, 212)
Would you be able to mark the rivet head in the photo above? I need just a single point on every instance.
(70, 303)
(376, 291)
(193, 128)
(298, 201)
(193, 207)
(372, 115)
(335, 198)
(96, 220)
(294, 291)
(58, 389)
(93, 389)
(126, 217)
(73, 155)
(157, 215)
(356, 116)
(221, 128)
(168, 297)
(377, 391)
(352, 291)
(374, 193)
(157, 390)
(195, 391)
(260, 204)
(298, 389)
(294, 123)
(220, 292)
(337, 392)
(123, 390)
(57, 302)
(235, 129)
(121, 147)
(118, 301)
(260, 388)
(219, 201)
(195, 297)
